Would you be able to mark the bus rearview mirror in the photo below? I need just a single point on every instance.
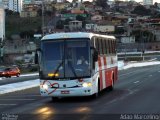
(36, 58)
(95, 56)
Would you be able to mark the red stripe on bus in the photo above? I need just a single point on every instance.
(100, 72)
(105, 67)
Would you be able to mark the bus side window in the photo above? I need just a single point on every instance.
(97, 45)
(107, 48)
(104, 46)
(108, 43)
(100, 46)
(114, 47)
(111, 46)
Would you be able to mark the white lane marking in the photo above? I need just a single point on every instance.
(136, 82)
(7, 104)
(17, 99)
(158, 71)
(150, 75)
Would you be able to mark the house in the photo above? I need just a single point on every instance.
(89, 8)
(28, 14)
(98, 8)
(104, 28)
(75, 25)
(90, 26)
(97, 18)
(71, 16)
(59, 6)
(127, 39)
(77, 11)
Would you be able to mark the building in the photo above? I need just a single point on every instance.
(104, 28)
(97, 18)
(147, 2)
(27, 1)
(5, 3)
(75, 25)
(89, 27)
(16, 5)
(128, 39)
(28, 14)
(2, 23)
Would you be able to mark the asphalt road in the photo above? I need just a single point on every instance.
(136, 96)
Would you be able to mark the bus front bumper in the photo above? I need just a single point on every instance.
(67, 92)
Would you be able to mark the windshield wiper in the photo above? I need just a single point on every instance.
(57, 69)
(73, 70)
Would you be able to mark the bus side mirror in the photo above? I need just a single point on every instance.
(36, 56)
(95, 54)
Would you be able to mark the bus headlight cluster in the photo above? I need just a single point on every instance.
(45, 86)
(87, 84)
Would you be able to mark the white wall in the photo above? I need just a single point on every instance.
(104, 28)
(128, 39)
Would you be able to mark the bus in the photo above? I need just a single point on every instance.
(62, 75)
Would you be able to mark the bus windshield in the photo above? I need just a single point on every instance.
(65, 59)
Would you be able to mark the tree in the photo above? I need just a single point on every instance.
(27, 34)
(66, 22)
(39, 12)
(87, 3)
(64, 11)
(60, 24)
(156, 5)
(74, 1)
(143, 36)
(102, 3)
(81, 18)
(141, 10)
(48, 13)
(10, 12)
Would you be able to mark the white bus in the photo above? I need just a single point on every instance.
(76, 64)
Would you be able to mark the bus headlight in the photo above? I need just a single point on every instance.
(45, 86)
(87, 84)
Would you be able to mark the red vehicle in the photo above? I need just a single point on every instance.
(10, 71)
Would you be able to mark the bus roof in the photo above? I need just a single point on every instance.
(74, 35)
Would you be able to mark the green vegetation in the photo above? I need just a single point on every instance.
(102, 3)
(16, 25)
(141, 10)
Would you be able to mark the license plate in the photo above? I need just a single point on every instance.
(65, 92)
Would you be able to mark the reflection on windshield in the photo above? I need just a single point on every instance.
(76, 66)
(53, 57)
(66, 58)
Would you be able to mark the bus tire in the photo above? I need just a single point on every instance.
(112, 85)
(98, 91)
